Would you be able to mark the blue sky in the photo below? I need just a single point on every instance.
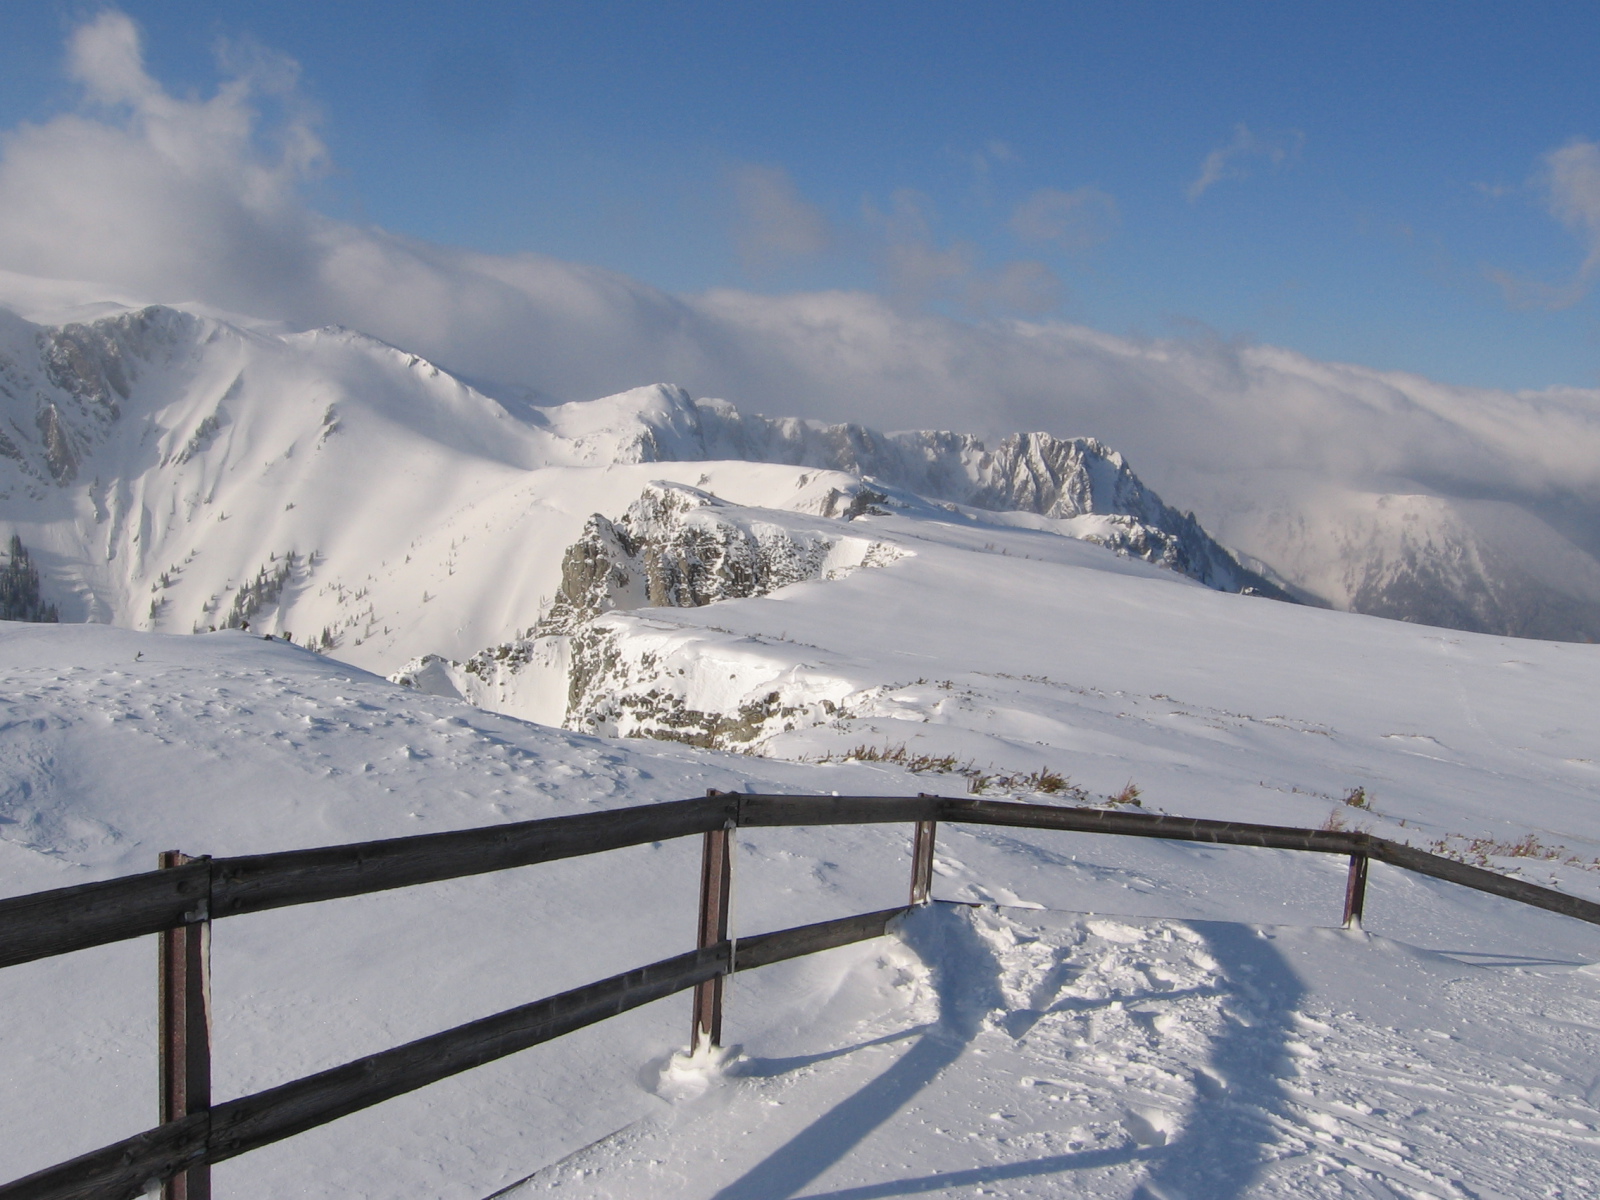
(1379, 187)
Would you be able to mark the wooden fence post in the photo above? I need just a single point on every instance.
(1355, 891)
(716, 881)
(922, 862)
(186, 1029)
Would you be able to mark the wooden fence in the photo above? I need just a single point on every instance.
(181, 900)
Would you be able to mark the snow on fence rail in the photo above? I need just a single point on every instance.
(183, 899)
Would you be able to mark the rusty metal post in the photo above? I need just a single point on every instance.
(1355, 891)
(186, 1030)
(922, 862)
(716, 882)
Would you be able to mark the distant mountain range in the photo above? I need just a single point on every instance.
(174, 470)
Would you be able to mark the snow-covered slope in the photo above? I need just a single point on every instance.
(1053, 1055)
(1395, 550)
(1006, 652)
(1200, 1035)
(177, 458)
(852, 612)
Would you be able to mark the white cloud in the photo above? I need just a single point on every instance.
(915, 268)
(1570, 180)
(1021, 286)
(918, 270)
(1230, 161)
(106, 57)
(1075, 220)
(192, 199)
(165, 192)
(1574, 181)
(983, 162)
(775, 223)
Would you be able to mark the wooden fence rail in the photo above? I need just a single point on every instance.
(182, 899)
(93, 914)
(250, 1122)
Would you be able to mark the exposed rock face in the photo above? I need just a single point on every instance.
(1066, 478)
(74, 379)
(675, 547)
(620, 689)
(678, 547)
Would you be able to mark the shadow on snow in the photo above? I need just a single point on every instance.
(940, 936)
(1217, 1155)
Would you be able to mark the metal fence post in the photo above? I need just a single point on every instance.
(186, 1029)
(922, 862)
(1355, 891)
(716, 881)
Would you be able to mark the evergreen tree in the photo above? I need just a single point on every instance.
(260, 592)
(19, 588)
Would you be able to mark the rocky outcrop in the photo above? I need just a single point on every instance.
(624, 682)
(675, 547)
(679, 547)
(61, 389)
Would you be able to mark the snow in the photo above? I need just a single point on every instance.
(1045, 1054)
(119, 744)
(1116, 1013)
(1076, 1014)
(1105, 669)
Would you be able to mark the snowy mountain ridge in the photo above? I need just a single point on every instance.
(675, 547)
(1482, 565)
(1058, 478)
(163, 465)
(128, 438)
(679, 547)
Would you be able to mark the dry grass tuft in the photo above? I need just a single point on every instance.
(1045, 781)
(1129, 794)
(1479, 851)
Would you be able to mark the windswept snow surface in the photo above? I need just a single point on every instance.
(1038, 1054)
(1115, 1018)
